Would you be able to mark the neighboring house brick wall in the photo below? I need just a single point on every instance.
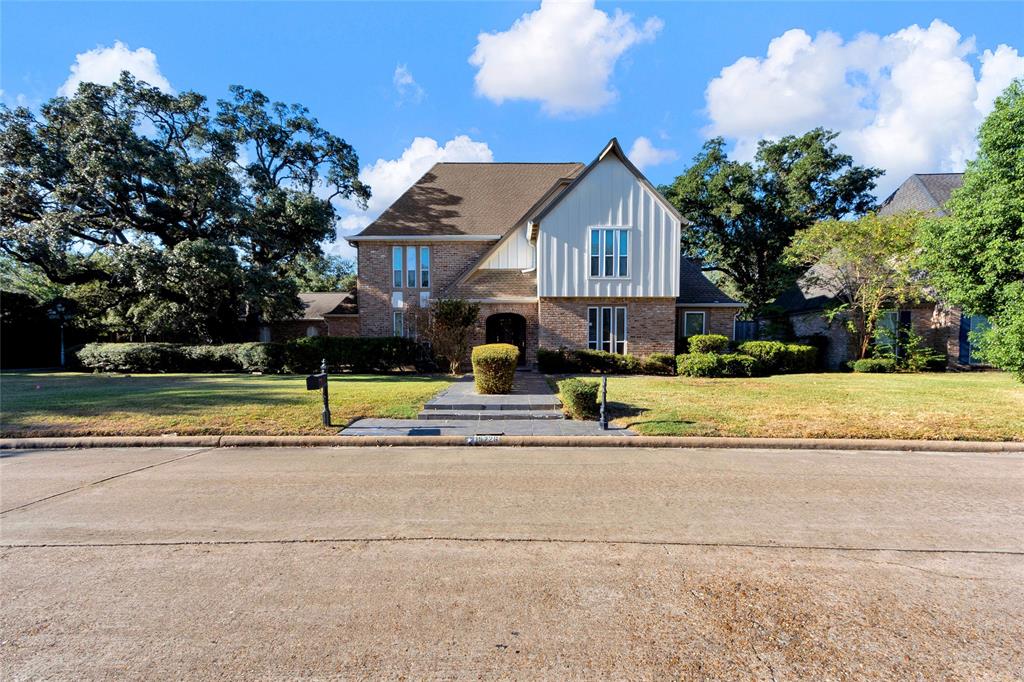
(343, 325)
(296, 329)
(448, 260)
(650, 321)
(840, 343)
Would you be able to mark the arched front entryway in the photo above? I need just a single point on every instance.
(508, 328)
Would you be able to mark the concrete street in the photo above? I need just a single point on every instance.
(499, 562)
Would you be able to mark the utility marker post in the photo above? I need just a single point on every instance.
(604, 402)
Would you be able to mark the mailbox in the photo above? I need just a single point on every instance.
(314, 382)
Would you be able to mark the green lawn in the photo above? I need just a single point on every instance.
(66, 404)
(956, 406)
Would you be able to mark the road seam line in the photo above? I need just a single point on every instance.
(432, 538)
(108, 478)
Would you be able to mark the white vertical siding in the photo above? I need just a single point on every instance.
(516, 253)
(609, 196)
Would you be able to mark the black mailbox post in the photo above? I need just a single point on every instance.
(319, 381)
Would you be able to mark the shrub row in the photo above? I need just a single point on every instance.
(494, 367)
(568, 361)
(713, 365)
(297, 356)
(775, 357)
(875, 365)
(580, 397)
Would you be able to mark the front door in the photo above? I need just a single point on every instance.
(508, 328)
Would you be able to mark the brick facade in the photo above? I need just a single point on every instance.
(650, 323)
(716, 320)
(448, 260)
(334, 325)
(529, 313)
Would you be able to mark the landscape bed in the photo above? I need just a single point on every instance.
(933, 406)
(67, 404)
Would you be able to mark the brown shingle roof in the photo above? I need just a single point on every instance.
(496, 284)
(316, 304)
(468, 199)
(695, 288)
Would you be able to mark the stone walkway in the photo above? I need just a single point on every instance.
(531, 409)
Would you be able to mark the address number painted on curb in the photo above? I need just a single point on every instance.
(482, 440)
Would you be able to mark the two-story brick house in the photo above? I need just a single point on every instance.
(557, 255)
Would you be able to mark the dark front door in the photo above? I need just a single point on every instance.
(508, 328)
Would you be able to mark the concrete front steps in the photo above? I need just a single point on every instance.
(531, 398)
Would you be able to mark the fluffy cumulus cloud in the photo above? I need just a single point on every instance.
(406, 86)
(561, 55)
(389, 178)
(908, 102)
(644, 154)
(104, 65)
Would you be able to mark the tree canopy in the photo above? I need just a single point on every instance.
(186, 219)
(867, 264)
(975, 256)
(744, 214)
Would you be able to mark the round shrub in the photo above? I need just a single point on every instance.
(738, 365)
(699, 365)
(494, 367)
(800, 358)
(709, 343)
(659, 363)
(875, 365)
(769, 355)
(580, 397)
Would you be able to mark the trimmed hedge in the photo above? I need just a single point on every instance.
(494, 367)
(300, 356)
(580, 397)
(775, 357)
(709, 343)
(585, 361)
(875, 365)
(714, 365)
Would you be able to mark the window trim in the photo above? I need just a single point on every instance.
(398, 323)
(596, 340)
(703, 322)
(424, 281)
(616, 255)
(397, 282)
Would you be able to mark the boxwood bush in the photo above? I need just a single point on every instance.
(580, 397)
(709, 343)
(775, 357)
(875, 365)
(714, 365)
(585, 361)
(494, 367)
(131, 357)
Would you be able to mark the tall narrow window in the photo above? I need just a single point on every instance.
(410, 266)
(606, 329)
(425, 267)
(398, 323)
(396, 266)
(609, 252)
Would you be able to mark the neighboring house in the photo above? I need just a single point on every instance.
(556, 254)
(324, 313)
(942, 326)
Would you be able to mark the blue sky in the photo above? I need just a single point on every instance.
(907, 83)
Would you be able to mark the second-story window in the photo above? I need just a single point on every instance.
(396, 267)
(609, 252)
(425, 267)
(410, 266)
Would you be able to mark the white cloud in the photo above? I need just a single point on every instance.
(562, 55)
(104, 65)
(406, 86)
(643, 154)
(389, 178)
(907, 102)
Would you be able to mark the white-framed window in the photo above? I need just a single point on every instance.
(425, 267)
(312, 331)
(396, 266)
(609, 252)
(410, 266)
(607, 329)
(693, 323)
(398, 322)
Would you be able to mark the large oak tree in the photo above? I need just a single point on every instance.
(745, 214)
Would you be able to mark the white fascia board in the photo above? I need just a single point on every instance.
(710, 305)
(505, 299)
(427, 238)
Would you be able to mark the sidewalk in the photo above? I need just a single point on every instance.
(531, 409)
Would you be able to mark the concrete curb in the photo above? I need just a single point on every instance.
(512, 441)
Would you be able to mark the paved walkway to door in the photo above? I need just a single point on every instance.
(531, 409)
